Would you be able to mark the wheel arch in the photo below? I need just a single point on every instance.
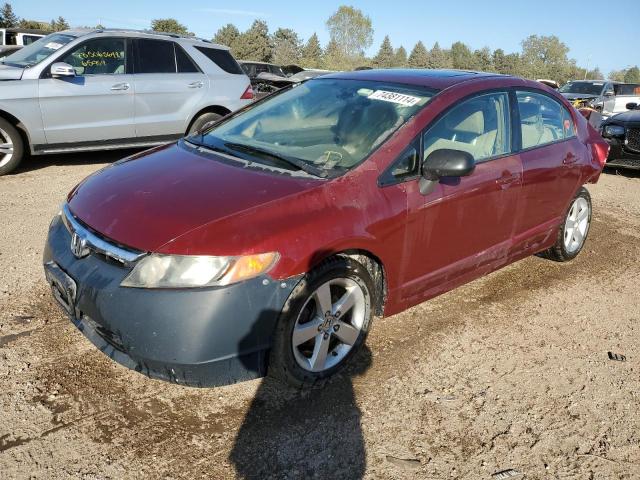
(22, 130)
(219, 109)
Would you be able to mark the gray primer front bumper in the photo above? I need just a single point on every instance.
(200, 337)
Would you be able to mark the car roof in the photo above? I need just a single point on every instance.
(430, 78)
(80, 32)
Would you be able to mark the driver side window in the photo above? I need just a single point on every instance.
(479, 126)
(101, 56)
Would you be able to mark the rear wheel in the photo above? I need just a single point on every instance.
(323, 324)
(11, 147)
(573, 232)
(203, 122)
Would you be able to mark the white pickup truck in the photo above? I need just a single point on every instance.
(12, 39)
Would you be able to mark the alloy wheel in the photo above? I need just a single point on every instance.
(329, 324)
(576, 225)
(6, 148)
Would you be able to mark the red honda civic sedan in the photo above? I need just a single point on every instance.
(268, 242)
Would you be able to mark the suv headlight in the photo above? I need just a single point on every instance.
(192, 271)
(613, 131)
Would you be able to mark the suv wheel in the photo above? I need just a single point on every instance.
(203, 122)
(323, 324)
(11, 147)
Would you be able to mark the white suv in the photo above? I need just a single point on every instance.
(81, 90)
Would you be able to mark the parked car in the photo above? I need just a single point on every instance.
(270, 241)
(82, 90)
(12, 39)
(622, 132)
(606, 97)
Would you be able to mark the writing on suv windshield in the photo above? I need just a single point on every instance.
(324, 125)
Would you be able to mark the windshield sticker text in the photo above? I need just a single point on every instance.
(399, 98)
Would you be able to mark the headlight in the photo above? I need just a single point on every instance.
(613, 131)
(189, 271)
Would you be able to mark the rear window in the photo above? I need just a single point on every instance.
(155, 56)
(221, 58)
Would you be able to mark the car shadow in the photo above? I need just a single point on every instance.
(314, 433)
(37, 162)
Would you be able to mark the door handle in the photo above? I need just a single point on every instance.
(120, 86)
(570, 159)
(198, 84)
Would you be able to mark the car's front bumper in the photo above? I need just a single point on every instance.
(620, 156)
(200, 337)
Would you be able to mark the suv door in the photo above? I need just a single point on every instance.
(551, 168)
(169, 88)
(463, 228)
(96, 104)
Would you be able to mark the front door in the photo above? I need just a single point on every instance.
(463, 228)
(96, 104)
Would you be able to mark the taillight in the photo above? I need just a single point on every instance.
(600, 151)
(248, 94)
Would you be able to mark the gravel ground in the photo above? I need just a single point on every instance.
(508, 373)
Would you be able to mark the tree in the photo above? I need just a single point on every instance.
(419, 56)
(25, 23)
(350, 31)
(632, 75)
(385, 56)
(334, 59)
(287, 47)
(546, 57)
(462, 57)
(226, 35)
(312, 53)
(483, 60)
(59, 24)
(595, 74)
(169, 25)
(438, 58)
(255, 44)
(617, 75)
(8, 19)
(400, 57)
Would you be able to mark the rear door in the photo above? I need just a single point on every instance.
(463, 228)
(96, 104)
(550, 154)
(169, 87)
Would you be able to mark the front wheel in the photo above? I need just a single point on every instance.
(11, 147)
(203, 122)
(323, 324)
(573, 232)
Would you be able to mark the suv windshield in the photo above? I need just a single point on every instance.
(327, 125)
(37, 51)
(588, 88)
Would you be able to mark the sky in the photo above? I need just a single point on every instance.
(596, 35)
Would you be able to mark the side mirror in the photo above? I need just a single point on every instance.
(445, 163)
(61, 69)
(609, 93)
(631, 105)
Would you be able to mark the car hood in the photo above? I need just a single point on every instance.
(626, 117)
(152, 198)
(573, 96)
(10, 73)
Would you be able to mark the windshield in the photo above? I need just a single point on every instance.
(37, 51)
(330, 125)
(588, 88)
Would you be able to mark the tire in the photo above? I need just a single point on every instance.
(203, 121)
(572, 234)
(11, 147)
(300, 362)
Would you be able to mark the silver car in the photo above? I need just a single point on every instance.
(82, 90)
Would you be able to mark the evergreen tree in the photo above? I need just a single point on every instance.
(226, 35)
(255, 44)
(483, 60)
(462, 57)
(385, 56)
(438, 58)
(59, 25)
(419, 56)
(400, 57)
(287, 47)
(8, 19)
(312, 53)
(632, 75)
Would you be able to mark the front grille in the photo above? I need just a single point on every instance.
(633, 139)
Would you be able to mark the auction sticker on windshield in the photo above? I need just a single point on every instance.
(400, 98)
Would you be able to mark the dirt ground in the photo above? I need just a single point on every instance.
(507, 377)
